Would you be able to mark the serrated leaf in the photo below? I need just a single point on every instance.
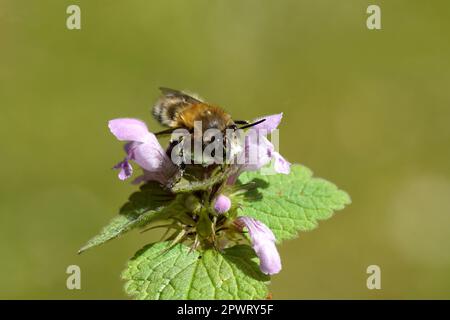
(159, 273)
(143, 207)
(291, 203)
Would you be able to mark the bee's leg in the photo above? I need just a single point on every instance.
(168, 131)
(169, 149)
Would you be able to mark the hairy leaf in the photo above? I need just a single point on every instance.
(160, 272)
(150, 203)
(290, 203)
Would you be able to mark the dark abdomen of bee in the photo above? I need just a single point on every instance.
(166, 109)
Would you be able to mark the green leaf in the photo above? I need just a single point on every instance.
(161, 272)
(290, 203)
(150, 203)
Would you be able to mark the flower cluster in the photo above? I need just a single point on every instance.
(220, 209)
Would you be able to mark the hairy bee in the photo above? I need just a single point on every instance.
(176, 109)
(179, 110)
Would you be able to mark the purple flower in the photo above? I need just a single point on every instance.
(259, 151)
(144, 149)
(263, 242)
(126, 170)
(270, 123)
(281, 165)
(222, 204)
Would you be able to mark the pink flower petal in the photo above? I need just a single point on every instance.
(281, 165)
(257, 152)
(126, 170)
(271, 123)
(270, 262)
(263, 242)
(127, 129)
(162, 176)
(150, 155)
(142, 147)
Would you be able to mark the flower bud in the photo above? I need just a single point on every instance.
(222, 204)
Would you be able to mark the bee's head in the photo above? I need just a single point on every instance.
(215, 118)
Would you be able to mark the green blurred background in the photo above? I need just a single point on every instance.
(368, 110)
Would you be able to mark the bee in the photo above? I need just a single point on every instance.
(176, 109)
(179, 110)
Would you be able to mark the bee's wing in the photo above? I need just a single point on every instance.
(179, 94)
(170, 105)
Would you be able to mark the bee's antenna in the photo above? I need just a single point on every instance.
(252, 124)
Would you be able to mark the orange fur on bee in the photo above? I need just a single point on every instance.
(205, 113)
(176, 109)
